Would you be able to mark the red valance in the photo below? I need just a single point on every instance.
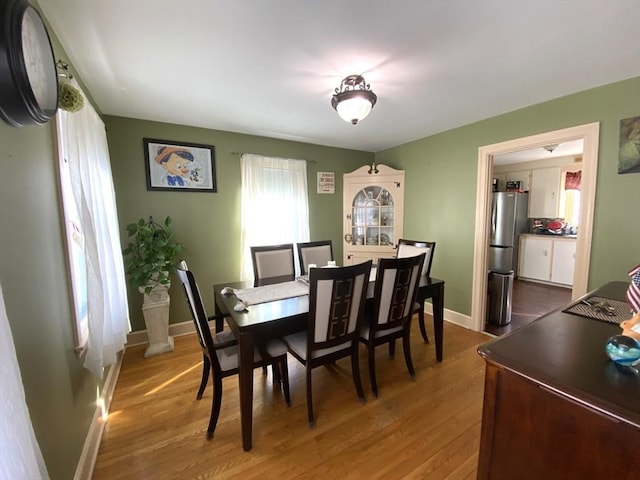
(573, 180)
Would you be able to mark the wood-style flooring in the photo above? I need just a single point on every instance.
(531, 300)
(423, 428)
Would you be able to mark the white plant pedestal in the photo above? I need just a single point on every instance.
(155, 309)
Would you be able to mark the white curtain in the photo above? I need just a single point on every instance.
(275, 207)
(20, 456)
(84, 139)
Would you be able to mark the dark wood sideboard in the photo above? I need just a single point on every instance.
(555, 406)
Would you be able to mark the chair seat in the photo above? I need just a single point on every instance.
(228, 357)
(365, 332)
(297, 343)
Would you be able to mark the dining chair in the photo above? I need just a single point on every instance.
(220, 351)
(410, 248)
(319, 253)
(272, 264)
(395, 292)
(337, 299)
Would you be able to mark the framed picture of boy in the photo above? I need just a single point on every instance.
(179, 166)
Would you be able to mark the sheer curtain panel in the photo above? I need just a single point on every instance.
(20, 455)
(83, 145)
(275, 207)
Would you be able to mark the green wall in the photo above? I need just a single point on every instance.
(59, 392)
(441, 187)
(208, 224)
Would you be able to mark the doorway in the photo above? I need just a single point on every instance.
(589, 134)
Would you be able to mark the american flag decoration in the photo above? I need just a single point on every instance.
(633, 292)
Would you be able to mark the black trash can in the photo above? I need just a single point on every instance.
(500, 291)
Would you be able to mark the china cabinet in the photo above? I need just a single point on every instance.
(373, 206)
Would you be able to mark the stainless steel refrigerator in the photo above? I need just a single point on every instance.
(508, 221)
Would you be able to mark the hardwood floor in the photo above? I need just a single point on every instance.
(531, 300)
(427, 428)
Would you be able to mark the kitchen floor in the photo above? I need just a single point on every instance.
(531, 300)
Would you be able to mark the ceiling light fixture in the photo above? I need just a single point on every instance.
(551, 148)
(354, 99)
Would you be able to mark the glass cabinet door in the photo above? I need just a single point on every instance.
(372, 217)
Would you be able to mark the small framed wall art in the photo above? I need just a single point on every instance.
(179, 166)
(629, 150)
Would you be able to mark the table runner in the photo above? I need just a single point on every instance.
(270, 293)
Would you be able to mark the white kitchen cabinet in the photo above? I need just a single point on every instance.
(544, 192)
(563, 261)
(535, 258)
(547, 259)
(373, 207)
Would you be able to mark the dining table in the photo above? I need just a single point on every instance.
(261, 322)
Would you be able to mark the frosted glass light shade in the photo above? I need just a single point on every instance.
(354, 109)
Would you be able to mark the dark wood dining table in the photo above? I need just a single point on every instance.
(265, 321)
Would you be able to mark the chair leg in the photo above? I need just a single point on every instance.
(284, 376)
(215, 405)
(309, 399)
(372, 369)
(392, 348)
(406, 343)
(423, 329)
(275, 373)
(206, 369)
(355, 371)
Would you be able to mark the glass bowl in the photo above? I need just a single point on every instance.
(623, 350)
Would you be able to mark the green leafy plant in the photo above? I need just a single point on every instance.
(69, 97)
(151, 253)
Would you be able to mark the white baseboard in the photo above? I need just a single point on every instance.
(175, 330)
(184, 328)
(84, 469)
(451, 316)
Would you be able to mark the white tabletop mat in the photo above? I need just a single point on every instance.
(270, 293)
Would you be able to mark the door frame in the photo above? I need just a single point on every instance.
(589, 133)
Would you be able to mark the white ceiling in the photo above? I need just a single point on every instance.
(566, 149)
(270, 67)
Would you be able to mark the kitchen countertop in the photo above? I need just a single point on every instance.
(553, 235)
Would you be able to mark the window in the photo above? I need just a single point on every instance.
(275, 207)
(569, 207)
(93, 241)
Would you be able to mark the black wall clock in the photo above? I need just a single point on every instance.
(28, 76)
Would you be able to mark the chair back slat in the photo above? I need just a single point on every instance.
(411, 248)
(396, 288)
(336, 304)
(272, 261)
(196, 307)
(320, 253)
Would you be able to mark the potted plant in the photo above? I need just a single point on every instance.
(150, 258)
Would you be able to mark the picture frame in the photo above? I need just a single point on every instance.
(629, 148)
(179, 166)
